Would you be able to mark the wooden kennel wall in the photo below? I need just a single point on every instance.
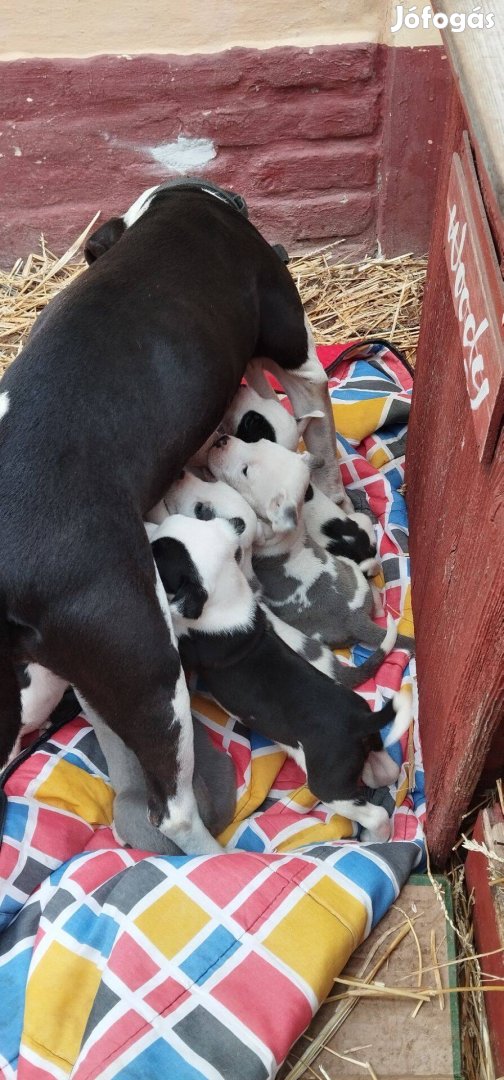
(455, 460)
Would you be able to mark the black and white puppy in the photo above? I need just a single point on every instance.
(142, 354)
(224, 635)
(326, 597)
(253, 416)
(197, 498)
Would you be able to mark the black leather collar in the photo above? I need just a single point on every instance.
(191, 183)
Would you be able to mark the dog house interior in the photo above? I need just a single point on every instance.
(365, 139)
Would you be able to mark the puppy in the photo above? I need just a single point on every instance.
(272, 479)
(325, 597)
(252, 417)
(197, 498)
(225, 636)
(348, 535)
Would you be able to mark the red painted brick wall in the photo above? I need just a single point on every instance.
(299, 132)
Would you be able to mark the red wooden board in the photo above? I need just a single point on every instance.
(478, 299)
(456, 509)
(489, 921)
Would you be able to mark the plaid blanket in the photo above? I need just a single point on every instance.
(117, 963)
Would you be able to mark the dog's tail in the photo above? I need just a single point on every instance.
(321, 657)
(372, 634)
(355, 676)
(10, 694)
(399, 710)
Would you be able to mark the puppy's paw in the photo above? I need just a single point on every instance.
(380, 828)
(380, 769)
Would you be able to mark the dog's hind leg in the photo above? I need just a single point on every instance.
(286, 348)
(38, 700)
(369, 633)
(10, 695)
(117, 648)
(40, 697)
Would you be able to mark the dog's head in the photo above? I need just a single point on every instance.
(203, 500)
(194, 558)
(111, 231)
(272, 479)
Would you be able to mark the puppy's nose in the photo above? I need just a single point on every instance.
(222, 441)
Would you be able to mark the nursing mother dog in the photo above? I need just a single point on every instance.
(124, 376)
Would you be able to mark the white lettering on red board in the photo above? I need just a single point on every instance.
(474, 364)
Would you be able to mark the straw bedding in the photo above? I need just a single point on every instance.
(344, 301)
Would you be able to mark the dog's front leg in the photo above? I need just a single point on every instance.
(128, 672)
(168, 765)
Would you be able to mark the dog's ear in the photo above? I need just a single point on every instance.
(103, 238)
(282, 513)
(181, 580)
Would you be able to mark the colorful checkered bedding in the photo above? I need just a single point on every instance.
(117, 963)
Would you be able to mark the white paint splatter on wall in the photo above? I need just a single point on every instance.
(184, 155)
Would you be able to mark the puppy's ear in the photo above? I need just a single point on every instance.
(180, 577)
(103, 238)
(264, 532)
(282, 513)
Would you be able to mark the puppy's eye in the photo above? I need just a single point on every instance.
(245, 470)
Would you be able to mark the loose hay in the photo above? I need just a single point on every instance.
(373, 298)
(345, 301)
(27, 288)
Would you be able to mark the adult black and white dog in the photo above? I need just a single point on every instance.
(124, 376)
(225, 635)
